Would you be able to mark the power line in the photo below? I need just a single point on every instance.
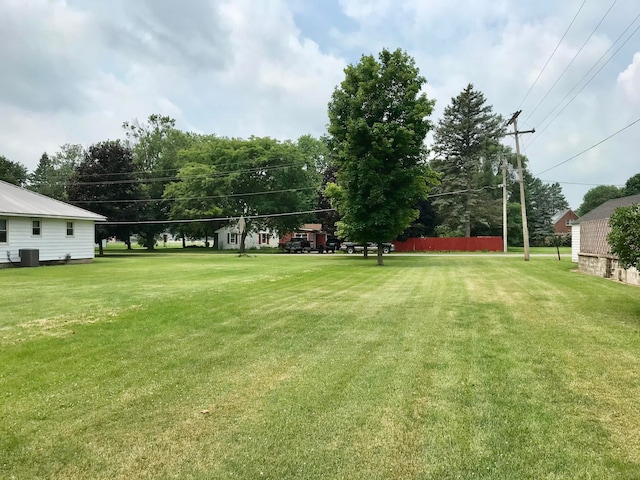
(486, 187)
(581, 184)
(144, 200)
(551, 56)
(572, 60)
(217, 219)
(591, 147)
(584, 76)
(183, 177)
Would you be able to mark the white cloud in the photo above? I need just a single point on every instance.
(629, 79)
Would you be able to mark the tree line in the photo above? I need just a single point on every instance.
(372, 166)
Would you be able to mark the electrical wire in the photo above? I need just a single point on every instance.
(201, 220)
(551, 56)
(486, 187)
(581, 184)
(591, 147)
(572, 60)
(584, 76)
(145, 200)
(184, 177)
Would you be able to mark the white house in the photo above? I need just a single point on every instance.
(59, 232)
(228, 238)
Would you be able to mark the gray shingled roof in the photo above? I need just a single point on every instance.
(607, 208)
(19, 202)
(558, 215)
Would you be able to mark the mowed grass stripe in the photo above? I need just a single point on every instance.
(320, 368)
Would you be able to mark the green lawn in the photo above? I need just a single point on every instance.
(317, 367)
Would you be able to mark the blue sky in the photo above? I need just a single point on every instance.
(74, 70)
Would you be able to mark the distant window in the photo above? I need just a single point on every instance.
(3, 231)
(568, 222)
(300, 235)
(36, 228)
(264, 238)
(233, 238)
(69, 229)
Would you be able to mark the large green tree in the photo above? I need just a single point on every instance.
(596, 196)
(13, 172)
(270, 181)
(156, 144)
(197, 194)
(378, 120)
(624, 237)
(262, 179)
(106, 182)
(54, 171)
(632, 185)
(467, 156)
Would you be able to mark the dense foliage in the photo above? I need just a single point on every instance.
(105, 182)
(377, 125)
(468, 157)
(13, 172)
(624, 237)
(597, 196)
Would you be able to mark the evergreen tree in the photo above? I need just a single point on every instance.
(467, 157)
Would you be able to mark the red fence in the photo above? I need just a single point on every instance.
(452, 244)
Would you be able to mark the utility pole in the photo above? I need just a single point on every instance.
(525, 228)
(504, 204)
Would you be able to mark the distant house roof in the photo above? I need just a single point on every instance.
(558, 215)
(311, 227)
(20, 202)
(607, 208)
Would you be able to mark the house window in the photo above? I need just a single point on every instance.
(36, 228)
(69, 229)
(263, 238)
(232, 238)
(568, 222)
(300, 235)
(3, 230)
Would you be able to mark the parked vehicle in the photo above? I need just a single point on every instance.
(351, 247)
(332, 244)
(297, 245)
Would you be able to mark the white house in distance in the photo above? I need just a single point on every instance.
(228, 238)
(44, 229)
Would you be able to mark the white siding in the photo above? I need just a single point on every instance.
(53, 243)
(575, 242)
(250, 242)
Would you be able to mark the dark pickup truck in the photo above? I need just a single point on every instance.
(302, 245)
(297, 245)
(331, 245)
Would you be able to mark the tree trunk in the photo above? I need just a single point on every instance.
(380, 262)
(242, 241)
(100, 250)
(184, 241)
(366, 250)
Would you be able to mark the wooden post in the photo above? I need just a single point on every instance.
(504, 204)
(523, 207)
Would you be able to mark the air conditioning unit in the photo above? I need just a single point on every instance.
(29, 257)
